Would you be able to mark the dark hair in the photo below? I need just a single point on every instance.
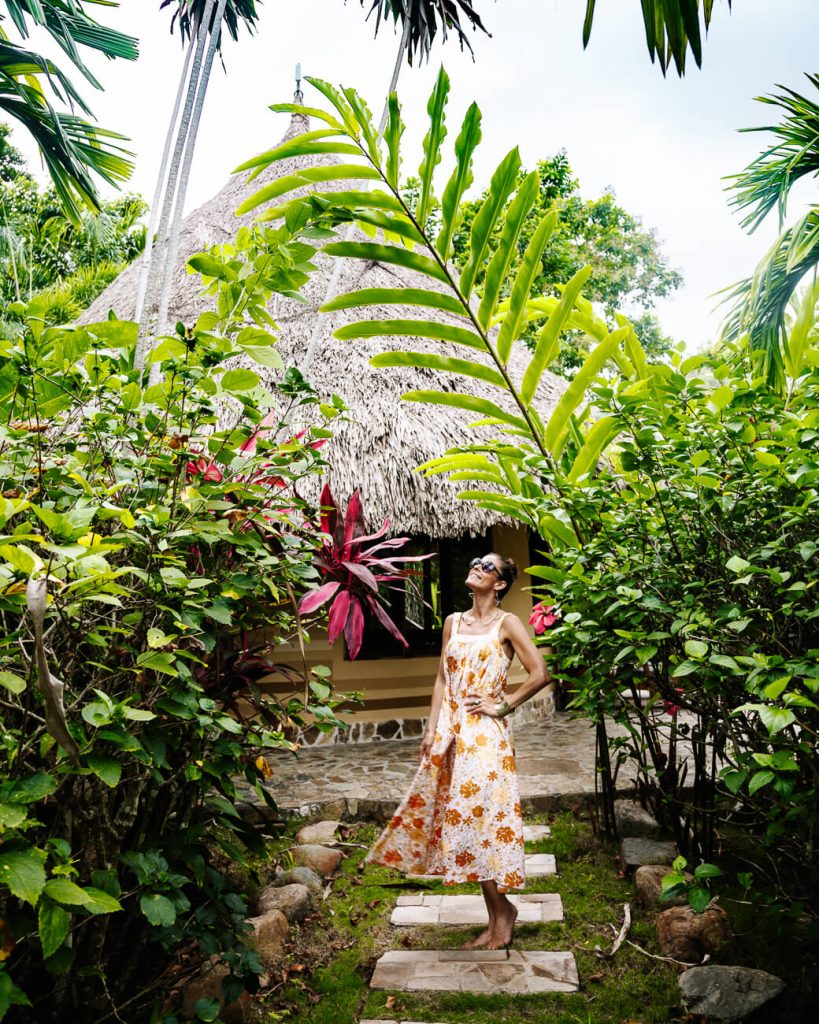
(508, 574)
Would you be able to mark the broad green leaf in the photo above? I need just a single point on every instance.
(685, 668)
(63, 890)
(507, 249)
(558, 424)
(315, 112)
(32, 788)
(339, 101)
(760, 779)
(515, 320)
(306, 144)
(22, 558)
(436, 108)
(410, 329)
(97, 901)
(599, 437)
(378, 253)
(364, 121)
(392, 136)
(461, 179)
(471, 403)
(696, 648)
(548, 342)
(107, 768)
(12, 682)
(721, 397)
(307, 178)
(10, 994)
(395, 297)
(239, 380)
(736, 564)
(698, 898)
(445, 364)
(158, 909)
(53, 923)
(500, 188)
(775, 719)
(131, 396)
(22, 872)
(12, 815)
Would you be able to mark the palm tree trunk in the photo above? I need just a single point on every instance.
(184, 177)
(170, 188)
(160, 184)
(332, 286)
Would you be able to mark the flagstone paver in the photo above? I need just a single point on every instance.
(436, 909)
(476, 970)
(534, 833)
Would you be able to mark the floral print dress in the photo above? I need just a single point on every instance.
(461, 817)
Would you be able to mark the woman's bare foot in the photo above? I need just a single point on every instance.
(482, 939)
(504, 926)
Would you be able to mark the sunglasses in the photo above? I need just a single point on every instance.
(486, 566)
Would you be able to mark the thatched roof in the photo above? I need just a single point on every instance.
(385, 438)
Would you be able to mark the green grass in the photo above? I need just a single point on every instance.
(339, 948)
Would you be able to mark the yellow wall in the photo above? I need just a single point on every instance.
(401, 687)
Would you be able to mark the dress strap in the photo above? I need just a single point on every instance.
(499, 623)
(456, 621)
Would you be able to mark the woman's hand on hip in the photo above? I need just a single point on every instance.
(480, 704)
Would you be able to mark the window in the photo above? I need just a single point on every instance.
(419, 609)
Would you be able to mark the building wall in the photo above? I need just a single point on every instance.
(401, 688)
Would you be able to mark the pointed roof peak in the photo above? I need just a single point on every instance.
(299, 123)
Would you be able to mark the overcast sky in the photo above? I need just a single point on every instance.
(663, 146)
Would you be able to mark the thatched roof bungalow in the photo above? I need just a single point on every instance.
(377, 448)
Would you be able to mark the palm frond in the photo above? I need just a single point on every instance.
(426, 18)
(672, 27)
(766, 182)
(188, 15)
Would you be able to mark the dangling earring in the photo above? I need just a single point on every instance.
(497, 599)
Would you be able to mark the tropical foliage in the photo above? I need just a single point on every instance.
(422, 20)
(760, 303)
(73, 148)
(677, 503)
(672, 29)
(154, 548)
(355, 568)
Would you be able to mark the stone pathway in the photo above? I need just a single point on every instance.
(555, 761)
(518, 972)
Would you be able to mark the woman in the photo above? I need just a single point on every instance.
(461, 818)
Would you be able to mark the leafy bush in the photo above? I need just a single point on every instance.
(144, 536)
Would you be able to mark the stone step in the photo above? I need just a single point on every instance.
(536, 865)
(433, 908)
(534, 833)
(476, 970)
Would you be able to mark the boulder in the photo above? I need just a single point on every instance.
(268, 936)
(207, 984)
(300, 876)
(632, 820)
(688, 936)
(323, 832)
(636, 851)
(648, 880)
(321, 859)
(727, 993)
(295, 901)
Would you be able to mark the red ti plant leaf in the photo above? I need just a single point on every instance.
(316, 598)
(385, 620)
(338, 616)
(354, 628)
(363, 573)
(353, 521)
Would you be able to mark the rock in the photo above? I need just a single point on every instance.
(259, 815)
(633, 820)
(322, 832)
(321, 859)
(636, 852)
(295, 901)
(688, 936)
(727, 993)
(300, 876)
(648, 880)
(207, 984)
(268, 936)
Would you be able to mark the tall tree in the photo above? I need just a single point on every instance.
(424, 19)
(73, 148)
(760, 302)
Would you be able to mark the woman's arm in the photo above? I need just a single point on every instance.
(437, 695)
(513, 630)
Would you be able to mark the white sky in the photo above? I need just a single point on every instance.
(663, 146)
